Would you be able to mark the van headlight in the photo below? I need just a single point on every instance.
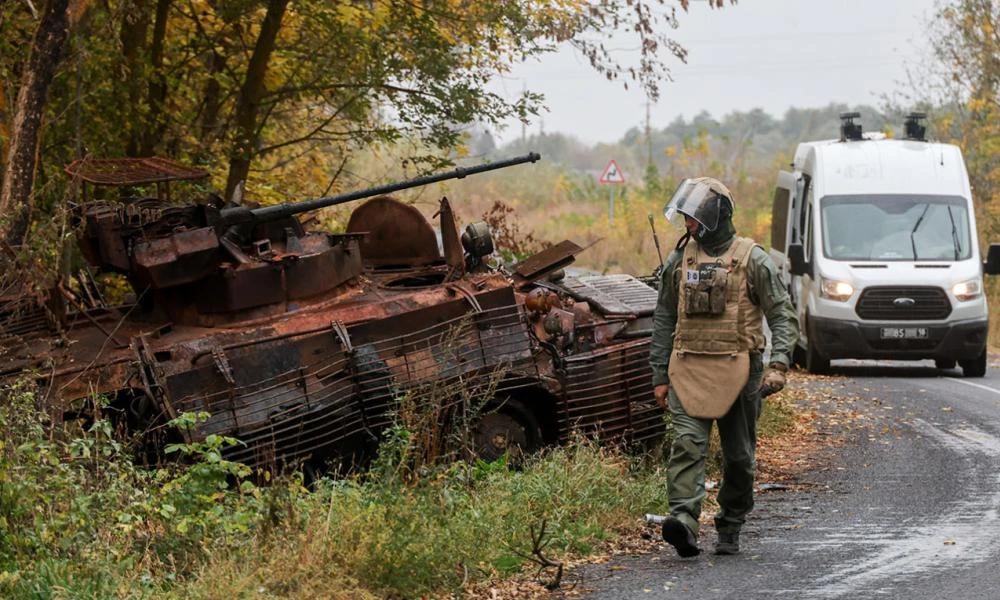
(968, 290)
(840, 291)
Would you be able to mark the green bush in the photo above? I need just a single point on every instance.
(79, 519)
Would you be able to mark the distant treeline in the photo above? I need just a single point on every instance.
(744, 141)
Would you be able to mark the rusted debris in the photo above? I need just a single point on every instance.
(131, 171)
(301, 343)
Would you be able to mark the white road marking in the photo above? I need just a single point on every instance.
(976, 385)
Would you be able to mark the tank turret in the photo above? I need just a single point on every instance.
(209, 263)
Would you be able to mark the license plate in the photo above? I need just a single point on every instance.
(904, 333)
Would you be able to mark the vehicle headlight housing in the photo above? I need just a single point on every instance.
(833, 289)
(968, 290)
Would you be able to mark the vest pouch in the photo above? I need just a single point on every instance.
(717, 292)
(708, 384)
(705, 291)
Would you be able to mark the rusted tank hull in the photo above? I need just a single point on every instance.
(327, 393)
(305, 345)
(331, 394)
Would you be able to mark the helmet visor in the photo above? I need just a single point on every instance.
(694, 198)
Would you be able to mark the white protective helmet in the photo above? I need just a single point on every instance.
(704, 199)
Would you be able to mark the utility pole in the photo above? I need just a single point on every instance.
(649, 139)
(524, 92)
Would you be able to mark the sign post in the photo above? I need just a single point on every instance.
(612, 175)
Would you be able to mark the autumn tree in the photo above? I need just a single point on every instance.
(251, 89)
(963, 87)
(965, 83)
(25, 131)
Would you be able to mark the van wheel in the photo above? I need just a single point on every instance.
(815, 362)
(799, 356)
(511, 427)
(975, 367)
(944, 363)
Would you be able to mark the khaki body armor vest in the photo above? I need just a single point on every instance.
(717, 328)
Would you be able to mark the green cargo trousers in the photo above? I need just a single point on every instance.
(738, 437)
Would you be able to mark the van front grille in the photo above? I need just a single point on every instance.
(899, 303)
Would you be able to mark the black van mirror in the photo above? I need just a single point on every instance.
(992, 264)
(797, 258)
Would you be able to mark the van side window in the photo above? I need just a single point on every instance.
(809, 234)
(779, 218)
(807, 226)
(805, 195)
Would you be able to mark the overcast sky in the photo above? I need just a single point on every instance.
(769, 54)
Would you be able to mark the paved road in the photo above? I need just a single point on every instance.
(908, 507)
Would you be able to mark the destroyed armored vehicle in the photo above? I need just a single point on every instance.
(302, 344)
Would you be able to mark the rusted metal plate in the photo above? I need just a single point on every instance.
(311, 274)
(102, 242)
(451, 242)
(639, 297)
(613, 294)
(398, 235)
(184, 257)
(131, 171)
(21, 317)
(608, 393)
(242, 288)
(548, 260)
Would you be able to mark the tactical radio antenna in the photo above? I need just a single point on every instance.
(656, 240)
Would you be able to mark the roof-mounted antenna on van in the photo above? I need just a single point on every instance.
(914, 130)
(849, 130)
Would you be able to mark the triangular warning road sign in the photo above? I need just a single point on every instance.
(612, 174)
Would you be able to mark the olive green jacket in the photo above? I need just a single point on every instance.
(766, 291)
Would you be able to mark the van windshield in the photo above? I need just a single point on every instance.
(889, 227)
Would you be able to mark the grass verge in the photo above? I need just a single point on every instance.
(77, 519)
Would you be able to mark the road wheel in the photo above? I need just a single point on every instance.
(312, 470)
(815, 362)
(944, 363)
(510, 427)
(975, 367)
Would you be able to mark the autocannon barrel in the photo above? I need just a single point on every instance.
(241, 214)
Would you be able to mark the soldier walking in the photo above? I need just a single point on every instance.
(707, 358)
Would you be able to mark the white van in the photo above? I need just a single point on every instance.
(876, 241)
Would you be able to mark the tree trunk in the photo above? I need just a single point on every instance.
(250, 95)
(19, 175)
(4, 134)
(212, 103)
(155, 124)
(135, 23)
